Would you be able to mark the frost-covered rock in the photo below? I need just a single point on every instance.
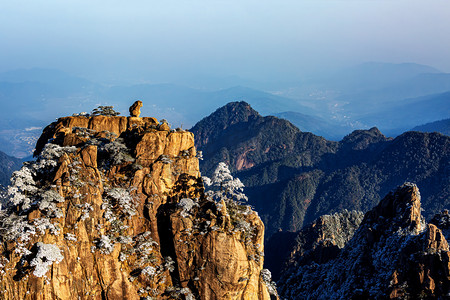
(110, 191)
(149, 271)
(47, 254)
(123, 199)
(393, 254)
(186, 205)
(105, 245)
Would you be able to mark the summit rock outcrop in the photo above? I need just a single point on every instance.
(114, 208)
(135, 109)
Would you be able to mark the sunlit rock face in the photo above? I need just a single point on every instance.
(114, 208)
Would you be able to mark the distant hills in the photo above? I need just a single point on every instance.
(183, 105)
(376, 75)
(392, 97)
(328, 129)
(293, 177)
(31, 98)
(370, 94)
(442, 126)
(404, 114)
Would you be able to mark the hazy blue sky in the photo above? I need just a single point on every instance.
(166, 39)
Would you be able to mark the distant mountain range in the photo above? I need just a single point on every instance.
(328, 129)
(404, 114)
(442, 126)
(293, 177)
(30, 98)
(372, 94)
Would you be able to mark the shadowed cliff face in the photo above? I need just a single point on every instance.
(114, 208)
(317, 242)
(8, 164)
(394, 254)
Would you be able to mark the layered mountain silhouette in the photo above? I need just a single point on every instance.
(442, 126)
(293, 177)
(393, 97)
(320, 126)
(405, 113)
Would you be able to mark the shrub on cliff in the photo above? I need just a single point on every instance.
(104, 111)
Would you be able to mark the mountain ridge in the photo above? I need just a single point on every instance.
(314, 176)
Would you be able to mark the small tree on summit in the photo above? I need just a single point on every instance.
(104, 111)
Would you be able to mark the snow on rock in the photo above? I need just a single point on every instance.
(47, 254)
(393, 254)
(110, 192)
(186, 204)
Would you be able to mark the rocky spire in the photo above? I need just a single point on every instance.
(135, 109)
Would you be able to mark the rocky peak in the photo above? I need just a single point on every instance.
(317, 242)
(114, 208)
(399, 209)
(234, 112)
(241, 137)
(393, 254)
(362, 139)
(442, 220)
(71, 131)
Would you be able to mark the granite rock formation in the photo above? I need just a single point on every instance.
(393, 255)
(135, 109)
(114, 208)
(317, 242)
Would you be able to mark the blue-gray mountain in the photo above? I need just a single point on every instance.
(442, 126)
(8, 165)
(32, 98)
(293, 177)
(326, 128)
(408, 112)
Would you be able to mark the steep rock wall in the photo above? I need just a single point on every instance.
(114, 208)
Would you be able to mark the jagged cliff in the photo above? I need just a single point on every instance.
(393, 254)
(114, 208)
(317, 242)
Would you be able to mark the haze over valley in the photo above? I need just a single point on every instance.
(408, 95)
(330, 67)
